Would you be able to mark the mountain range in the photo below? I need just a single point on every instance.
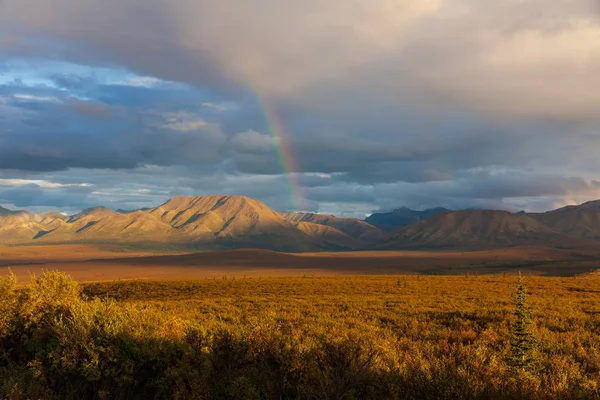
(225, 222)
(194, 223)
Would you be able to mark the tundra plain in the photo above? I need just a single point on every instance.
(87, 263)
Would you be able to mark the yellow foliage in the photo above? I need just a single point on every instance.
(295, 338)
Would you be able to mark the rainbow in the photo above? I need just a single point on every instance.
(283, 149)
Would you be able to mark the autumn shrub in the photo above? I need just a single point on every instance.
(306, 338)
(8, 302)
(86, 349)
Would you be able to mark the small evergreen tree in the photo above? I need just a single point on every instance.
(522, 340)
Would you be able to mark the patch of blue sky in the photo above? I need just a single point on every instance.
(36, 72)
(136, 102)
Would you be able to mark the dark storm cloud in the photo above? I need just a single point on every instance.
(49, 130)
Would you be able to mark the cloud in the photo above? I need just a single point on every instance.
(32, 196)
(32, 98)
(505, 58)
(252, 142)
(183, 122)
(214, 106)
(38, 183)
(382, 103)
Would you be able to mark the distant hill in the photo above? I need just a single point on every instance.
(360, 233)
(577, 222)
(390, 221)
(18, 226)
(472, 229)
(332, 237)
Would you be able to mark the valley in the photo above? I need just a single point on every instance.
(87, 263)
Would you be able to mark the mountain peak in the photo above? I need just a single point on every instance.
(97, 210)
(179, 202)
(304, 216)
(594, 203)
(390, 221)
(351, 227)
(5, 212)
(221, 216)
(54, 214)
(582, 221)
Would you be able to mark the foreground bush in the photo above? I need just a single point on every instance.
(299, 339)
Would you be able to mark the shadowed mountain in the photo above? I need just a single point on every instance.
(577, 222)
(390, 221)
(473, 229)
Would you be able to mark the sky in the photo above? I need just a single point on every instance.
(343, 107)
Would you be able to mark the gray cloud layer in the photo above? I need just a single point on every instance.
(383, 102)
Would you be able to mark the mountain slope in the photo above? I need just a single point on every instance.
(330, 236)
(220, 215)
(577, 222)
(360, 231)
(103, 224)
(390, 221)
(233, 221)
(19, 226)
(472, 228)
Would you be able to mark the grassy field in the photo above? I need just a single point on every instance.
(344, 337)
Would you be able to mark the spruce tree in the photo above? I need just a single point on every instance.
(522, 340)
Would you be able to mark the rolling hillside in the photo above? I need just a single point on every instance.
(473, 229)
(362, 232)
(577, 222)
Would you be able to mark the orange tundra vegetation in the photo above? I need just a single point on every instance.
(376, 337)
